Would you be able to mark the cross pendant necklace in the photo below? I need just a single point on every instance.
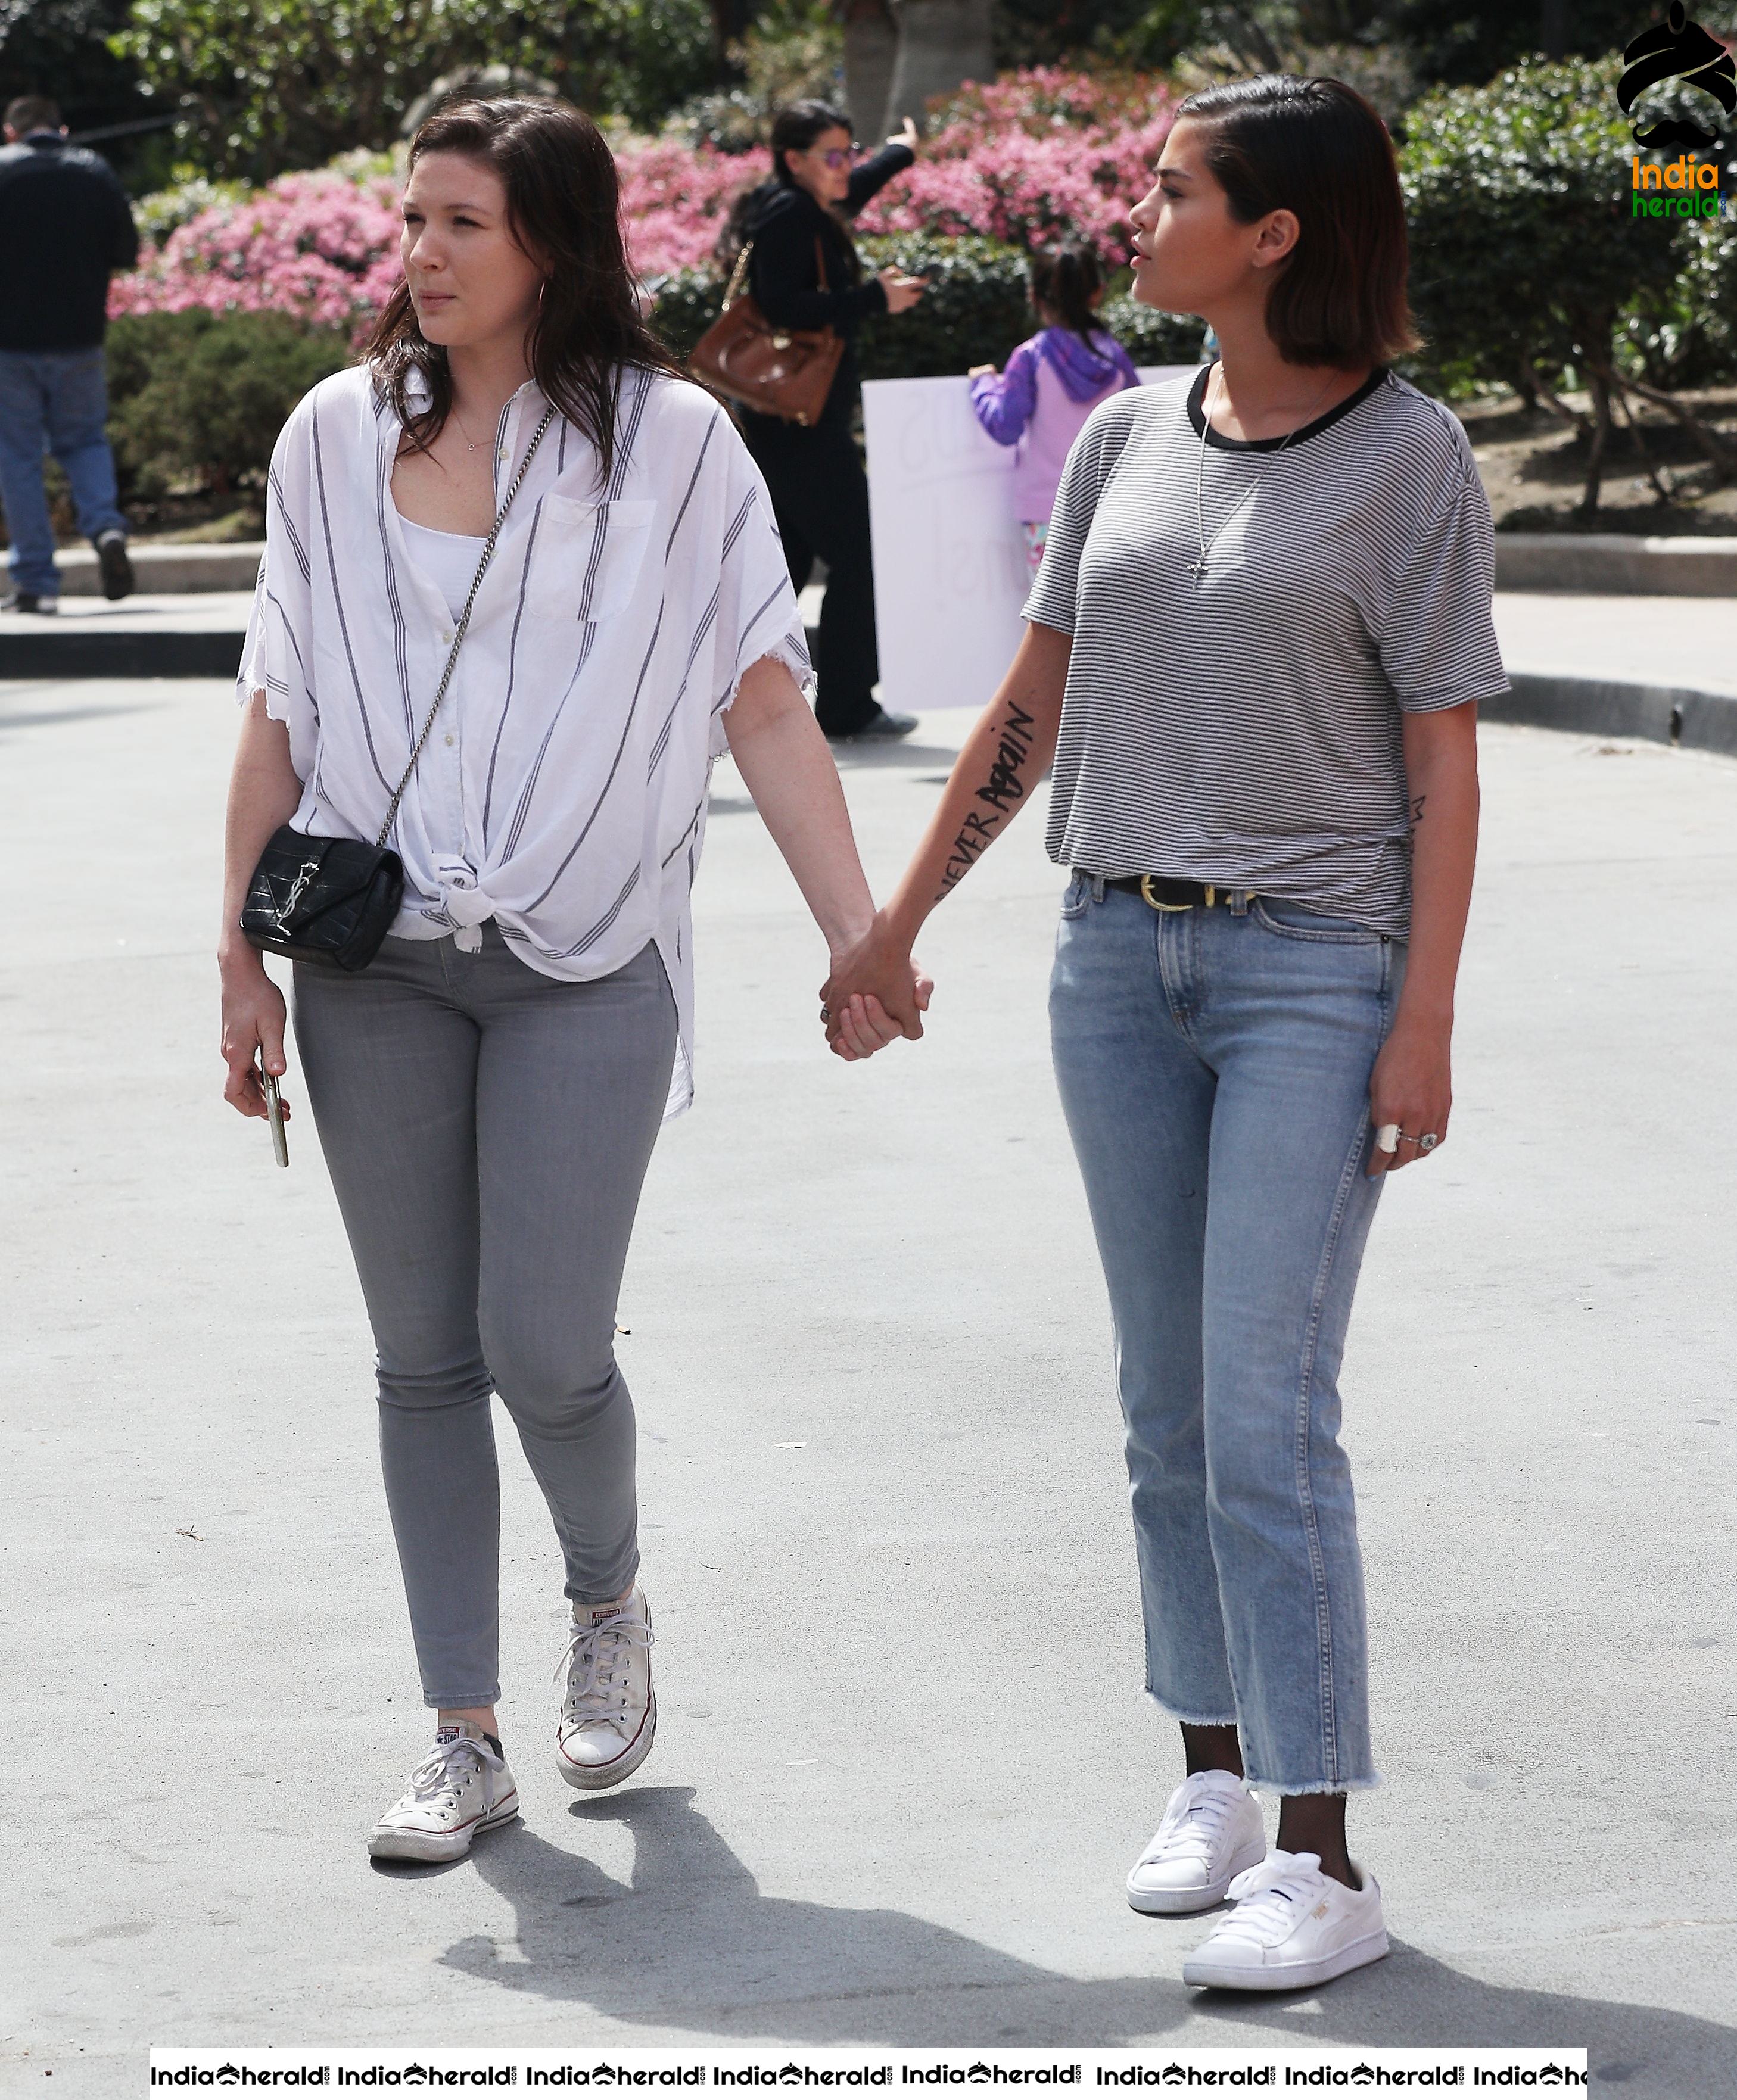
(1197, 567)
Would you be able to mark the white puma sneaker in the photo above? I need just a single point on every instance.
(609, 1711)
(1293, 1927)
(1211, 1833)
(462, 1786)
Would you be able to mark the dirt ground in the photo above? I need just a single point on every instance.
(1534, 467)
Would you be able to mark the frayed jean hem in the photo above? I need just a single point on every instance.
(1288, 1788)
(1190, 1720)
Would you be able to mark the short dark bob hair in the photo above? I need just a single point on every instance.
(1316, 148)
(563, 203)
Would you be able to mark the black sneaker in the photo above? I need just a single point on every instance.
(111, 559)
(29, 602)
(883, 728)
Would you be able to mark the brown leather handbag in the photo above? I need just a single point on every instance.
(778, 372)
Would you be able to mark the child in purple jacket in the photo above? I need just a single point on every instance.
(1052, 382)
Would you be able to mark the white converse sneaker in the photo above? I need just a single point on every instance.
(609, 1710)
(461, 1787)
(1293, 1927)
(1212, 1832)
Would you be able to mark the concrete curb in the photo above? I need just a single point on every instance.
(156, 568)
(1615, 564)
(1684, 715)
(1598, 564)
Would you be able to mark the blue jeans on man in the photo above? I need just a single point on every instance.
(54, 401)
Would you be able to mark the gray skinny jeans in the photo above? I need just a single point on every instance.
(488, 1130)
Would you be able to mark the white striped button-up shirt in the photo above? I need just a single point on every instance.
(562, 792)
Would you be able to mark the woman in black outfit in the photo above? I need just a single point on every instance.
(819, 490)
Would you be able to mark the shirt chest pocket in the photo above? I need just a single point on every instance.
(587, 557)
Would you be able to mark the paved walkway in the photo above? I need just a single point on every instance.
(145, 612)
(1689, 642)
(1683, 641)
(905, 1760)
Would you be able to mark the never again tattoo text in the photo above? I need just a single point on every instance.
(1001, 793)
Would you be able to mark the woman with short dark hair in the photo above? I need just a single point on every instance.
(805, 273)
(1255, 652)
(488, 1089)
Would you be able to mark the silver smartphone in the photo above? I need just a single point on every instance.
(274, 1112)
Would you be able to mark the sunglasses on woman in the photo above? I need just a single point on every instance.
(840, 156)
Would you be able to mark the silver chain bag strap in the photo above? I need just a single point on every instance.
(321, 900)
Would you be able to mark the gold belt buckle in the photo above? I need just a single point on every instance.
(1158, 903)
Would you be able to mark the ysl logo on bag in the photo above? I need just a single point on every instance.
(309, 870)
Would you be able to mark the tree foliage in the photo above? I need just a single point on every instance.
(1443, 42)
(61, 48)
(1527, 259)
(289, 83)
(1524, 248)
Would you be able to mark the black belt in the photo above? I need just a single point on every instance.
(1169, 893)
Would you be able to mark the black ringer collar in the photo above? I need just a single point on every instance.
(1197, 415)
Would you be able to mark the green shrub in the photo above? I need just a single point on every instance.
(199, 397)
(687, 302)
(1527, 259)
(974, 311)
(163, 211)
(1524, 251)
(1150, 337)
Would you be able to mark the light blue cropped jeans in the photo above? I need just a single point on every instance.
(1214, 1070)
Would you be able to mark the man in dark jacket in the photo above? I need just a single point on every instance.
(65, 224)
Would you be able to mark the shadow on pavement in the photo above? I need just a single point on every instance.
(53, 717)
(691, 1941)
(858, 757)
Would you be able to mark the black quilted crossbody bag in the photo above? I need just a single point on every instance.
(319, 900)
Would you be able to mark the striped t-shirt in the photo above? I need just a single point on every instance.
(1243, 728)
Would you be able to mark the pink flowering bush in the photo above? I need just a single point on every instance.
(674, 199)
(1022, 160)
(1033, 157)
(320, 248)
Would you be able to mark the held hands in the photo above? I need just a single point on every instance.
(876, 994)
(1411, 1092)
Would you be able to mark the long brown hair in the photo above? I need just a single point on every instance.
(1315, 147)
(563, 207)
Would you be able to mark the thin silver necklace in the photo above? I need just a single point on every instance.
(1197, 568)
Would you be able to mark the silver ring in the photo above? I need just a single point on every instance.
(1428, 1142)
(826, 1013)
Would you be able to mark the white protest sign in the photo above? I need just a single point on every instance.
(950, 569)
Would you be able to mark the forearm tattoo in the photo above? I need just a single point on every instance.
(1417, 803)
(1000, 794)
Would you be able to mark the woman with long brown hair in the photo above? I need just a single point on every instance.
(487, 1091)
